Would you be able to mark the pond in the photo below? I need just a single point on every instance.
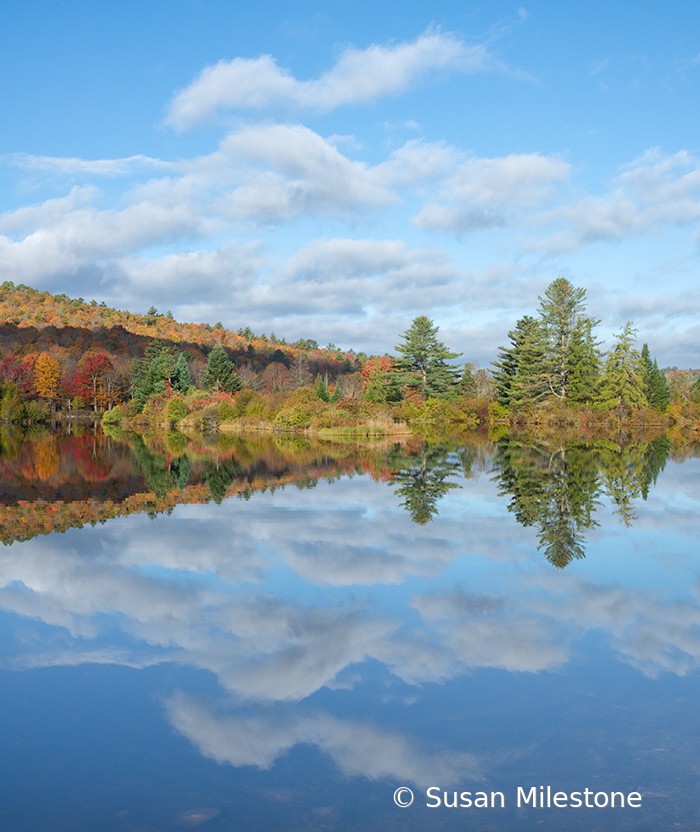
(270, 633)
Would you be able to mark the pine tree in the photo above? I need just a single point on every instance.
(220, 373)
(622, 381)
(422, 365)
(560, 310)
(181, 378)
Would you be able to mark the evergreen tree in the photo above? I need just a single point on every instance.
(622, 381)
(181, 378)
(530, 382)
(220, 373)
(507, 363)
(519, 376)
(321, 389)
(422, 364)
(655, 384)
(151, 373)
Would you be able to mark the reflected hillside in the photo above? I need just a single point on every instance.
(52, 482)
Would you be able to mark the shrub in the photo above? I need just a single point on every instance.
(113, 416)
(37, 411)
(498, 412)
(12, 407)
(176, 410)
(226, 411)
(292, 419)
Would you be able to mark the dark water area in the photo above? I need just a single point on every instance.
(271, 633)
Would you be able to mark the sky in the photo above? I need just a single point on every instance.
(333, 170)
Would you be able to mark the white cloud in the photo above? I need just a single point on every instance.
(359, 76)
(482, 193)
(651, 193)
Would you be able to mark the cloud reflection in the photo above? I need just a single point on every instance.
(359, 749)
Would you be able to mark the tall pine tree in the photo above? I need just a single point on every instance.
(561, 308)
(422, 364)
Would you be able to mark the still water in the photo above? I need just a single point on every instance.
(272, 634)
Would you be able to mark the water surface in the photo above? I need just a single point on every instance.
(274, 634)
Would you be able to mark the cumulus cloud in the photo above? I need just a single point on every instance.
(184, 239)
(66, 234)
(302, 173)
(359, 76)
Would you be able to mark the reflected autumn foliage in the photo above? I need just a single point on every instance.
(52, 482)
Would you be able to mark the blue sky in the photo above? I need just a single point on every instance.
(331, 170)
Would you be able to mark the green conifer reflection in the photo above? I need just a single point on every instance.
(423, 479)
(557, 485)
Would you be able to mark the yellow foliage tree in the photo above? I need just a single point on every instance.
(47, 374)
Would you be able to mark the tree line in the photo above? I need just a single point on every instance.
(552, 358)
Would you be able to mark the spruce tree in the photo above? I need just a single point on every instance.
(530, 382)
(321, 389)
(422, 364)
(181, 378)
(220, 373)
(655, 384)
(622, 381)
(151, 373)
(519, 374)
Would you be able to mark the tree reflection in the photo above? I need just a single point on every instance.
(423, 478)
(556, 485)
